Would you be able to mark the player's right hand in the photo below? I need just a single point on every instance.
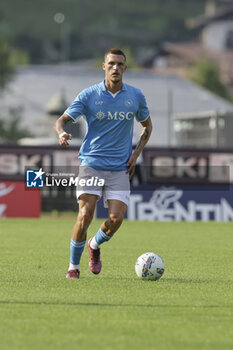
(63, 140)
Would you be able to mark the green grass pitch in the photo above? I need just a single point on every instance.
(191, 307)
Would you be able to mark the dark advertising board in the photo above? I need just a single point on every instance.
(179, 184)
(188, 166)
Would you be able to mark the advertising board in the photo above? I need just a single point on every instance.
(17, 201)
(178, 203)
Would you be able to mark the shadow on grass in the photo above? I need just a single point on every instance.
(182, 280)
(168, 280)
(61, 303)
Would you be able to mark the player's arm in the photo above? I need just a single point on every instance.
(144, 137)
(59, 129)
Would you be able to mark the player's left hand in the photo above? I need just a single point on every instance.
(131, 164)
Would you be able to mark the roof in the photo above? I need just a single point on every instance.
(194, 50)
(202, 115)
(34, 86)
(221, 13)
(191, 52)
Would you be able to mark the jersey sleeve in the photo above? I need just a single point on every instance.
(77, 107)
(143, 111)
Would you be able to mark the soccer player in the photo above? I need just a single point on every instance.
(109, 108)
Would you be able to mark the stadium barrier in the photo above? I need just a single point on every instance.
(178, 203)
(172, 184)
(17, 201)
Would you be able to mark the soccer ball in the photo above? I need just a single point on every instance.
(149, 266)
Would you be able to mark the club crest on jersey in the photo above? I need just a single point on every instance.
(128, 103)
(100, 115)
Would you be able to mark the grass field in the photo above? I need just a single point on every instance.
(191, 307)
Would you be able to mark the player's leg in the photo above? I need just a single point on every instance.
(116, 213)
(116, 195)
(87, 203)
(107, 229)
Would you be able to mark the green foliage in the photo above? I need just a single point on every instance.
(93, 26)
(18, 56)
(10, 128)
(131, 63)
(6, 65)
(206, 73)
(190, 308)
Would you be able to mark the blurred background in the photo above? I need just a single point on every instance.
(179, 53)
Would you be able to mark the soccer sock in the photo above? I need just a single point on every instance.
(76, 249)
(74, 267)
(99, 238)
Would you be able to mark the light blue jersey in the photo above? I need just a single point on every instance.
(108, 142)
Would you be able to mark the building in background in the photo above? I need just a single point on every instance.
(206, 129)
(214, 41)
(41, 93)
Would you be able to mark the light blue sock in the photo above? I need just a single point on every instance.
(101, 237)
(76, 249)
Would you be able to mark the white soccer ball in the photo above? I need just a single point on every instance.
(149, 266)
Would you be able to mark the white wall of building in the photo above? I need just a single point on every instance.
(215, 35)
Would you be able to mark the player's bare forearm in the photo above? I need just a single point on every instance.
(144, 137)
(60, 123)
(59, 129)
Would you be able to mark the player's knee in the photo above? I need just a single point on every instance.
(85, 216)
(115, 220)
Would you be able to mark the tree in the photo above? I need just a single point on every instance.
(10, 128)
(6, 64)
(206, 73)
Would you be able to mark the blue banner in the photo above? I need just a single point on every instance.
(178, 203)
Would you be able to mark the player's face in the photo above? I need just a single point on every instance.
(114, 67)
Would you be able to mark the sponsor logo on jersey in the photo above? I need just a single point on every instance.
(115, 116)
(100, 115)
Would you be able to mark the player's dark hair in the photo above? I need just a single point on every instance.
(115, 51)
